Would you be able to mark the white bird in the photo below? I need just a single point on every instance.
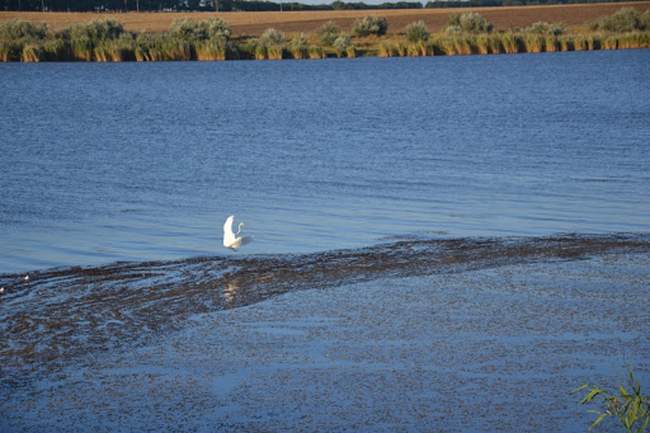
(2, 290)
(26, 278)
(230, 239)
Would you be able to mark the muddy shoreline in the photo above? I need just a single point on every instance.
(60, 315)
(463, 335)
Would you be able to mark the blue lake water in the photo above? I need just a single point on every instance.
(106, 162)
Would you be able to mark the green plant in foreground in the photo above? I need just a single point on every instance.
(630, 406)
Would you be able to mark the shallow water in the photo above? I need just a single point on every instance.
(59, 316)
(106, 162)
(492, 340)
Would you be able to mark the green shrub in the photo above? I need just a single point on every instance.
(544, 28)
(623, 20)
(386, 50)
(342, 44)
(628, 405)
(298, 46)
(595, 42)
(21, 40)
(316, 52)
(581, 43)
(495, 45)
(51, 49)
(418, 49)
(463, 45)
(20, 29)
(509, 43)
(153, 47)
(370, 25)
(272, 37)
(483, 44)
(97, 30)
(442, 46)
(145, 47)
(328, 32)
(417, 32)
(10, 50)
(468, 22)
(552, 44)
(82, 48)
(567, 43)
(402, 49)
(121, 49)
(32, 53)
(645, 21)
(85, 37)
(191, 31)
(56, 49)
(270, 45)
(211, 50)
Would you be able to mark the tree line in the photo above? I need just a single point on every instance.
(251, 5)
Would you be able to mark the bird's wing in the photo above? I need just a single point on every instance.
(228, 235)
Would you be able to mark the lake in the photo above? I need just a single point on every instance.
(113, 162)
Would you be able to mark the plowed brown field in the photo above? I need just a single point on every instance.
(254, 23)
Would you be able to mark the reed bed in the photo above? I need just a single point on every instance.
(211, 40)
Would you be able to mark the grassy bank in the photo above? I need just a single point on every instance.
(212, 39)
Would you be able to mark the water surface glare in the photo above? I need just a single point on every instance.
(106, 162)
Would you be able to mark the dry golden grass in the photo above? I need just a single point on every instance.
(254, 23)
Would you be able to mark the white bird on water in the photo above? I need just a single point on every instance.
(233, 240)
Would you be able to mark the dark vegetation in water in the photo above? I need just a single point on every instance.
(211, 39)
(62, 314)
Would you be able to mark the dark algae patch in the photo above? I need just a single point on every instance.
(62, 315)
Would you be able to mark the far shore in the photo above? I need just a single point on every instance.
(255, 23)
(371, 34)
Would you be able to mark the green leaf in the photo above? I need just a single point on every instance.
(598, 420)
(591, 395)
